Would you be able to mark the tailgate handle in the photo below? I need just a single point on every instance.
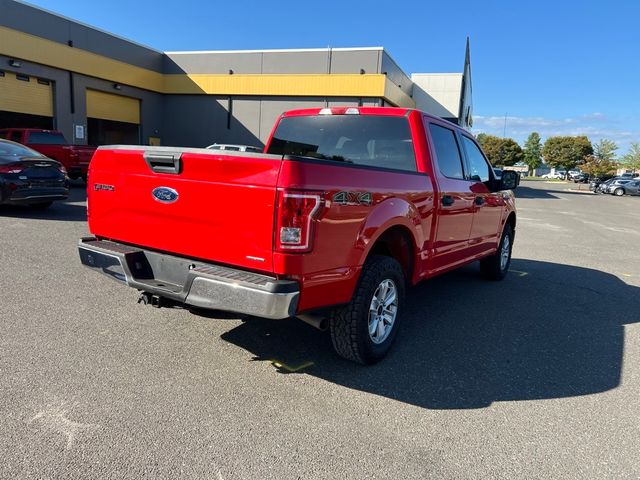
(164, 162)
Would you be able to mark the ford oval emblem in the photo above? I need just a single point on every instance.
(165, 194)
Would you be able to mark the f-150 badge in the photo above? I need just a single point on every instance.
(165, 194)
(353, 198)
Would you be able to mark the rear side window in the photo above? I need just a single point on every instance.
(46, 138)
(478, 166)
(447, 151)
(376, 141)
(16, 137)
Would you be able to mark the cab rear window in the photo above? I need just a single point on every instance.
(46, 138)
(375, 141)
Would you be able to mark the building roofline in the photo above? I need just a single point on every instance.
(437, 74)
(276, 50)
(93, 27)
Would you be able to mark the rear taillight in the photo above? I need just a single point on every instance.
(297, 212)
(15, 168)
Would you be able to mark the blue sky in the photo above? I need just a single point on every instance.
(557, 67)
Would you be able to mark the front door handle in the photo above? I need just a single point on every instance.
(447, 200)
(479, 201)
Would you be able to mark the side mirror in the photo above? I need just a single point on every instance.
(509, 180)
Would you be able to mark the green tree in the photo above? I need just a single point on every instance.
(566, 152)
(500, 151)
(598, 167)
(533, 152)
(631, 159)
(605, 150)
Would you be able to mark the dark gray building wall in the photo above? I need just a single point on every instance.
(193, 120)
(200, 120)
(35, 21)
(313, 61)
(395, 74)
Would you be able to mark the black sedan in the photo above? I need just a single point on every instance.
(29, 178)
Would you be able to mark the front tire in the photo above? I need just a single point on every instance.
(618, 192)
(364, 330)
(496, 266)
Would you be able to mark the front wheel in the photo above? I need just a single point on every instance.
(364, 330)
(618, 192)
(496, 266)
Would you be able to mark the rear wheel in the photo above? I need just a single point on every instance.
(618, 192)
(495, 267)
(41, 205)
(364, 330)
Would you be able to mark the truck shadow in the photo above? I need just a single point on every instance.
(547, 331)
(73, 209)
(548, 193)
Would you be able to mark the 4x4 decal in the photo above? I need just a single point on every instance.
(353, 198)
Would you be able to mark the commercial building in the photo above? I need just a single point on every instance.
(100, 89)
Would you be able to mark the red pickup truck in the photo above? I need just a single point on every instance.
(52, 144)
(345, 209)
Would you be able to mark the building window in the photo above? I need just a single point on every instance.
(42, 81)
(20, 76)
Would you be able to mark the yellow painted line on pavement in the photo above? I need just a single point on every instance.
(282, 365)
(520, 274)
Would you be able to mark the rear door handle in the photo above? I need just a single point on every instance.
(447, 200)
(479, 201)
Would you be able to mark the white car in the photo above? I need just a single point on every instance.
(234, 148)
(557, 176)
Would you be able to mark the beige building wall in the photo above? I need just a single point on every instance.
(438, 93)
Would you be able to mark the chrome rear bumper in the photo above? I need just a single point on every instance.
(191, 282)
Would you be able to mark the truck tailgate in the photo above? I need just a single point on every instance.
(190, 202)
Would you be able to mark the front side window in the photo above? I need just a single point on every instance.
(371, 140)
(447, 151)
(478, 166)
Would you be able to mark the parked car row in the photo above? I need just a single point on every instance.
(619, 186)
(575, 175)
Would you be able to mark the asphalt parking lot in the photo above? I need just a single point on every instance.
(534, 377)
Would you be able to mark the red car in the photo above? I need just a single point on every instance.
(346, 209)
(52, 144)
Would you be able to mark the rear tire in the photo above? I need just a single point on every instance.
(364, 330)
(496, 266)
(618, 192)
(41, 205)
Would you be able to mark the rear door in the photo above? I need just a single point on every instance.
(197, 203)
(455, 202)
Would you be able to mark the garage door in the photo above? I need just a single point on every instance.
(112, 118)
(25, 101)
(108, 106)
